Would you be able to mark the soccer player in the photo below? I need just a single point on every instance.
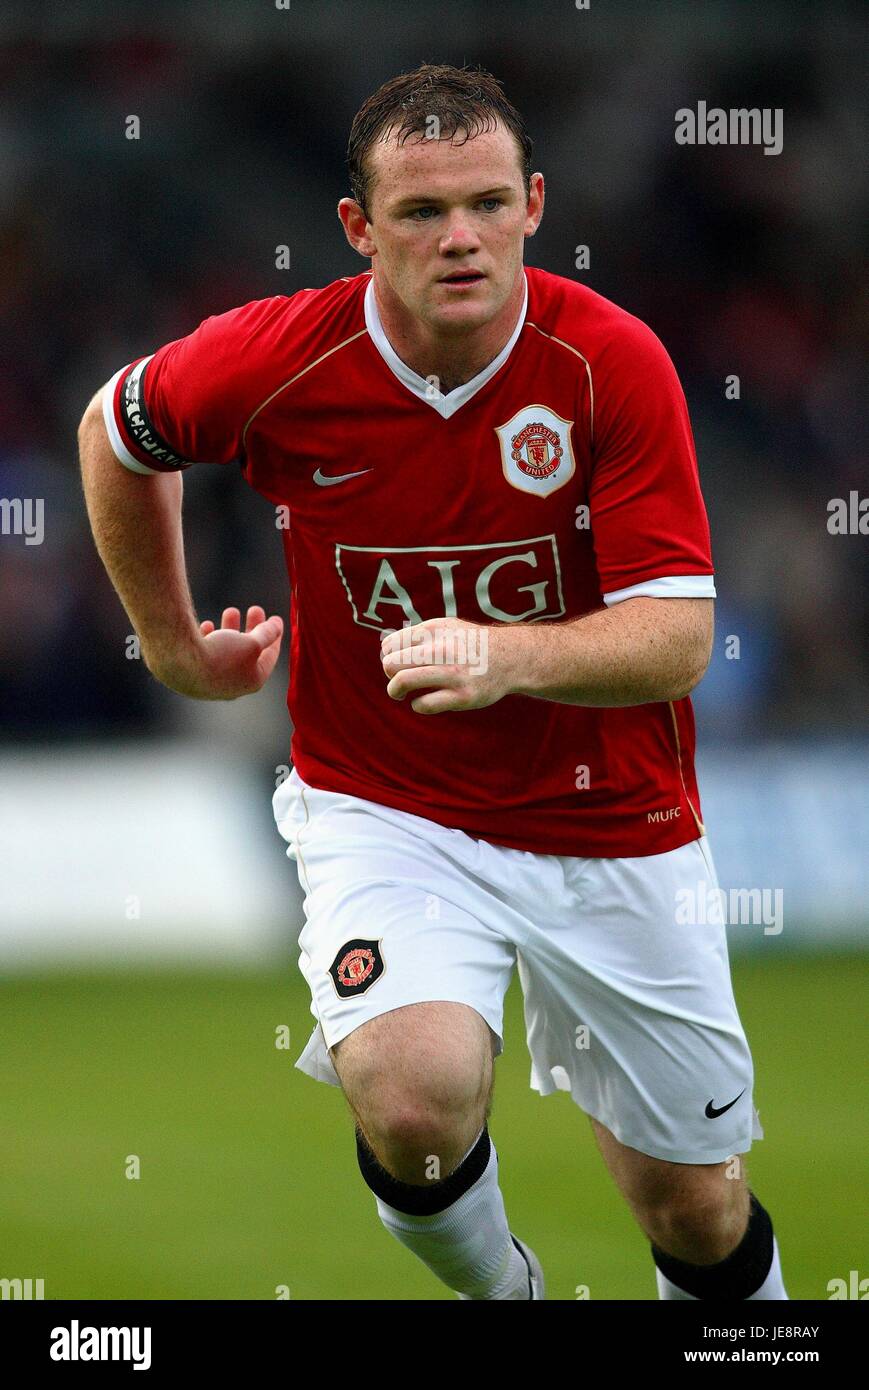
(501, 598)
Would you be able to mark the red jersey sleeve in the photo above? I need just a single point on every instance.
(190, 400)
(648, 521)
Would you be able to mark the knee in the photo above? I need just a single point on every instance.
(422, 1130)
(701, 1224)
(419, 1081)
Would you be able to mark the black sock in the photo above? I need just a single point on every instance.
(435, 1196)
(738, 1275)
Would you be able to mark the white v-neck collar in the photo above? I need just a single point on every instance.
(445, 405)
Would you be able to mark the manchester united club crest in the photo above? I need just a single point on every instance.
(536, 452)
(356, 967)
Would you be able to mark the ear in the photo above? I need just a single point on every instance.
(536, 198)
(356, 226)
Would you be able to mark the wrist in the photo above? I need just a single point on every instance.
(517, 657)
(174, 663)
(545, 661)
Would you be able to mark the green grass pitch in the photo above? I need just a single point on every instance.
(248, 1172)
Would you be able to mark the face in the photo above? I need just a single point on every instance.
(448, 225)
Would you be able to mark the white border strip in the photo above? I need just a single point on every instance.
(670, 586)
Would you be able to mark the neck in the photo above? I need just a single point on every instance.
(453, 358)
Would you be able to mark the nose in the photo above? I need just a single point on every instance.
(459, 236)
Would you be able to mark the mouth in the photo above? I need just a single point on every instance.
(460, 278)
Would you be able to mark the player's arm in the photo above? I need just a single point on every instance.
(642, 650)
(136, 523)
(639, 651)
(653, 638)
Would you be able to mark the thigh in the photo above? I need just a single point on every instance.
(631, 1008)
(391, 921)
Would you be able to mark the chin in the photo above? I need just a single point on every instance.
(463, 314)
(460, 323)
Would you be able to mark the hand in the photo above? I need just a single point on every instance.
(225, 662)
(462, 665)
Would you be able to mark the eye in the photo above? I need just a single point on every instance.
(496, 203)
(418, 213)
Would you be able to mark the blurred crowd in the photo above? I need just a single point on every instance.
(746, 265)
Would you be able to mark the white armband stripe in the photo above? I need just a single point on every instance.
(122, 453)
(669, 586)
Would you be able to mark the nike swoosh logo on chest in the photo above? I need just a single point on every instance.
(326, 480)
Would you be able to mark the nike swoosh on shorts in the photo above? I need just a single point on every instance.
(712, 1114)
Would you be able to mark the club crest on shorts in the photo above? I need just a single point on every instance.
(536, 453)
(357, 966)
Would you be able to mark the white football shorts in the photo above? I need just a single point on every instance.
(627, 1009)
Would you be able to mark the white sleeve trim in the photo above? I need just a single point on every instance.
(671, 586)
(121, 452)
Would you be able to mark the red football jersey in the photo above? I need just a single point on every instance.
(561, 478)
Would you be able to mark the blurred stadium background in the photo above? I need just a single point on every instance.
(147, 915)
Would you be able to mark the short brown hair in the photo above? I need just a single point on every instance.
(465, 101)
